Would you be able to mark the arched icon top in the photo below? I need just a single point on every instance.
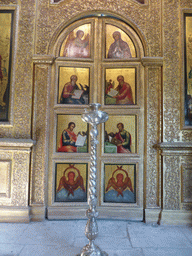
(118, 44)
(77, 43)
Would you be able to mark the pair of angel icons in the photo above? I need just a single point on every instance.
(72, 186)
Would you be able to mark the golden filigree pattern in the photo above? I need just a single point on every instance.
(171, 97)
(23, 72)
(20, 178)
(172, 184)
(186, 185)
(152, 29)
(40, 134)
(7, 2)
(58, 1)
(185, 4)
(19, 173)
(187, 207)
(186, 136)
(5, 156)
(153, 136)
(186, 181)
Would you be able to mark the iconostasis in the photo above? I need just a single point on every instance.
(97, 65)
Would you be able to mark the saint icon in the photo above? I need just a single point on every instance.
(122, 94)
(119, 187)
(76, 46)
(119, 49)
(71, 94)
(70, 141)
(71, 185)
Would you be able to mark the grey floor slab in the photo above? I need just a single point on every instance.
(10, 249)
(115, 243)
(112, 228)
(42, 250)
(167, 251)
(117, 238)
(81, 241)
(130, 252)
(76, 228)
(48, 233)
(142, 235)
(105, 228)
(111, 243)
(10, 233)
(187, 231)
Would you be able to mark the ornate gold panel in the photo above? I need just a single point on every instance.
(156, 31)
(186, 189)
(5, 177)
(14, 176)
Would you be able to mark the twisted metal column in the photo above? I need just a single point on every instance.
(94, 117)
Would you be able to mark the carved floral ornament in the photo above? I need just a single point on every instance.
(57, 1)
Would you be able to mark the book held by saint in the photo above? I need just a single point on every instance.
(80, 140)
(112, 93)
(77, 94)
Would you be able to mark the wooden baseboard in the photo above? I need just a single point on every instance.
(170, 217)
(57, 213)
(37, 212)
(153, 215)
(14, 214)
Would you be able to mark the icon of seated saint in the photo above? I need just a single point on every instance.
(121, 139)
(69, 140)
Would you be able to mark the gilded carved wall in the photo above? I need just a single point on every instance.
(159, 25)
(153, 184)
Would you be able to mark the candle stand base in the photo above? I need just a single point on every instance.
(92, 250)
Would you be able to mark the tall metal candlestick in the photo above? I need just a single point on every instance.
(93, 116)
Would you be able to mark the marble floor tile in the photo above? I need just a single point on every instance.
(167, 251)
(112, 228)
(129, 252)
(111, 245)
(115, 243)
(10, 249)
(11, 232)
(117, 238)
(187, 231)
(48, 233)
(104, 243)
(81, 241)
(42, 250)
(142, 235)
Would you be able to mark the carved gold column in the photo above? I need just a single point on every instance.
(152, 170)
(40, 129)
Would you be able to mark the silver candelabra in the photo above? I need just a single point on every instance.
(93, 116)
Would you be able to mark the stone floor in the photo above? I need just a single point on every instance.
(117, 238)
